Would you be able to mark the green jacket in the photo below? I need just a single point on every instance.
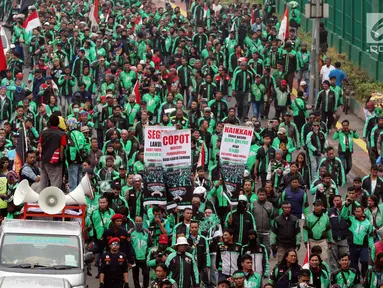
(153, 102)
(138, 167)
(77, 146)
(295, 15)
(314, 186)
(290, 147)
(126, 79)
(253, 280)
(292, 132)
(377, 219)
(346, 142)
(338, 95)
(242, 80)
(371, 279)
(299, 108)
(218, 193)
(186, 267)
(317, 227)
(257, 92)
(100, 221)
(304, 60)
(320, 146)
(324, 278)
(141, 241)
(346, 279)
(229, 45)
(361, 231)
(252, 157)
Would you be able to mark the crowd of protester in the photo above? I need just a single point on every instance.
(71, 89)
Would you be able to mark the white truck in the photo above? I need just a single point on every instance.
(34, 248)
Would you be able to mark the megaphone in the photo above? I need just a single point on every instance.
(24, 193)
(52, 200)
(77, 196)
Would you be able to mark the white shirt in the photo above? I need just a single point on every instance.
(325, 71)
(217, 7)
(373, 185)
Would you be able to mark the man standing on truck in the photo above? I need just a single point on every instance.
(51, 145)
(114, 267)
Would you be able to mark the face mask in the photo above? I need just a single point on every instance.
(138, 226)
(252, 242)
(241, 206)
(162, 247)
(76, 110)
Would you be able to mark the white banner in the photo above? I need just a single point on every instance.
(176, 148)
(235, 149)
(176, 161)
(236, 142)
(153, 147)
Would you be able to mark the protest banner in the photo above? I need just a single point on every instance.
(234, 151)
(154, 185)
(176, 161)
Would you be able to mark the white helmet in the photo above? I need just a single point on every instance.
(199, 191)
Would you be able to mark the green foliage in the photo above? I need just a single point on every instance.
(359, 80)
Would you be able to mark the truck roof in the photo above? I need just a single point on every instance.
(41, 227)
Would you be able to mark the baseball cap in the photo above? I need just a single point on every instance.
(164, 239)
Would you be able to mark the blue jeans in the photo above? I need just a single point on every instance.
(75, 175)
(359, 254)
(213, 269)
(346, 158)
(256, 107)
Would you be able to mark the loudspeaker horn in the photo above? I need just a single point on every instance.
(87, 186)
(77, 196)
(24, 193)
(52, 200)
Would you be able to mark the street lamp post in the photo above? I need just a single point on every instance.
(316, 10)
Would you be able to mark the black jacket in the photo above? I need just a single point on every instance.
(286, 230)
(334, 167)
(366, 184)
(201, 245)
(241, 235)
(125, 244)
(321, 101)
(339, 226)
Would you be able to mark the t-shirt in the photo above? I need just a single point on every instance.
(217, 7)
(325, 72)
(339, 75)
(373, 185)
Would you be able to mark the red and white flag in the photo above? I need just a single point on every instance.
(139, 20)
(136, 91)
(3, 60)
(32, 22)
(107, 16)
(284, 29)
(93, 15)
(201, 158)
(306, 264)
